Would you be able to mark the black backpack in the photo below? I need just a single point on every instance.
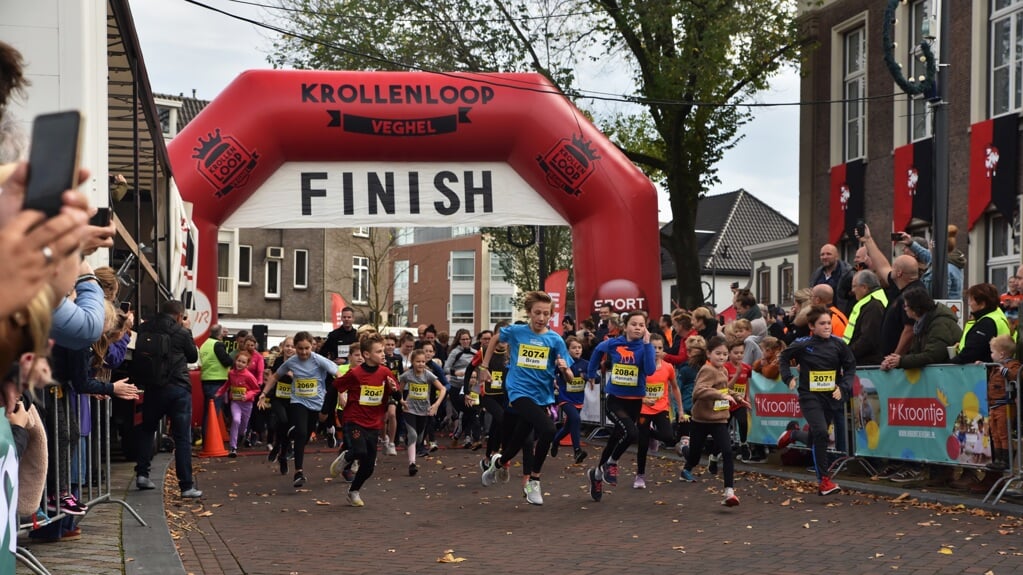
(149, 360)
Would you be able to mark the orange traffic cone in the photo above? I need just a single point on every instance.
(223, 426)
(567, 440)
(213, 443)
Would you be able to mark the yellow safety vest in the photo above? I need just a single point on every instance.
(877, 294)
(1001, 324)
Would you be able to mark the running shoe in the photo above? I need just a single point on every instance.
(786, 439)
(484, 463)
(338, 464)
(686, 475)
(745, 454)
(412, 469)
(580, 456)
(611, 473)
(191, 493)
(596, 485)
(827, 486)
(299, 479)
(331, 437)
(355, 500)
(503, 473)
(389, 449)
(274, 450)
(490, 475)
(907, 476)
(534, 495)
(433, 446)
(554, 448)
(232, 453)
(712, 464)
(70, 505)
(639, 482)
(730, 500)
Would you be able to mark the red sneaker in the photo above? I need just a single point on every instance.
(785, 439)
(827, 486)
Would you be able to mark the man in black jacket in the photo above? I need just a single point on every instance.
(170, 397)
(341, 339)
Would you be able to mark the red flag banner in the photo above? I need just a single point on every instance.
(994, 156)
(556, 286)
(839, 196)
(914, 187)
(846, 199)
(337, 303)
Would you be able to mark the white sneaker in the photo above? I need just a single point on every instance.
(503, 474)
(534, 495)
(490, 475)
(338, 464)
(389, 449)
(354, 500)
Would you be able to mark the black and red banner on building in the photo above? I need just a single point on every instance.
(994, 161)
(914, 184)
(846, 199)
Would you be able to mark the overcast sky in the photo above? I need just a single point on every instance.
(187, 47)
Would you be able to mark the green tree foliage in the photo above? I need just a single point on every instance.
(692, 62)
(521, 264)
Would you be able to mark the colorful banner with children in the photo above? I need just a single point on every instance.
(773, 407)
(937, 414)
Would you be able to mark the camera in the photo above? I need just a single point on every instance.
(735, 285)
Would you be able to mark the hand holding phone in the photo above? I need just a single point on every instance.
(53, 160)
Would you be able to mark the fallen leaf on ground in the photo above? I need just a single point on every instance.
(901, 497)
(945, 551)
(449, 557)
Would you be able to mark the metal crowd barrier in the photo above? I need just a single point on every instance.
(1015, 472)
(86, 462)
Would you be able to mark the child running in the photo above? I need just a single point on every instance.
(630, 358)
(826, 371)
(535, 354)
(654, 421)
(310, 373)
(711, 400)
(571, 395)
(242, 389)
(416, 406)
(277, 398)
(368, 386)
(739, 374)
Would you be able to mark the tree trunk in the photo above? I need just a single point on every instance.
(684, 192)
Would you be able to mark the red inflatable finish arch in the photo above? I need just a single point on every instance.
(267, 118)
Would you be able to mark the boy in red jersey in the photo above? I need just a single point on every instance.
(369, 386)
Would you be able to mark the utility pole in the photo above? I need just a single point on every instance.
(939, 267)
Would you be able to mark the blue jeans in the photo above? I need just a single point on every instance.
(174, 402)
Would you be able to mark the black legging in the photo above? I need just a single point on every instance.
(661, 431)
(531, 418)
(722, 441)
(304, 421)
(279, 421)
(819, 414)
(509, 422)
(362, 447)
(494, 405)
(622, 412)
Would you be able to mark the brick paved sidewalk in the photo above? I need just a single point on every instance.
(253, 521)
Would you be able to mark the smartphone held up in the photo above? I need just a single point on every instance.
(53, 160)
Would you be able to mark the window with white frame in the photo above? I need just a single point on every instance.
(786, 284)
(496, 273)
(223, 259)
(1003, 254)
(301, 269)
(360, 279)
(464, 231)
(362, 232)
(1006, 56)
(764, 285)
(463, 266)
(244, 265)
(405, 236)
(415, 312)
(462, 308)
(273, 279)
(401, 277)
(924, 27)
(501, 308)
(415, 274)
(854, 89)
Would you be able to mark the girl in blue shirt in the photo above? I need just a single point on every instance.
(630, 359)
(535, 353)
